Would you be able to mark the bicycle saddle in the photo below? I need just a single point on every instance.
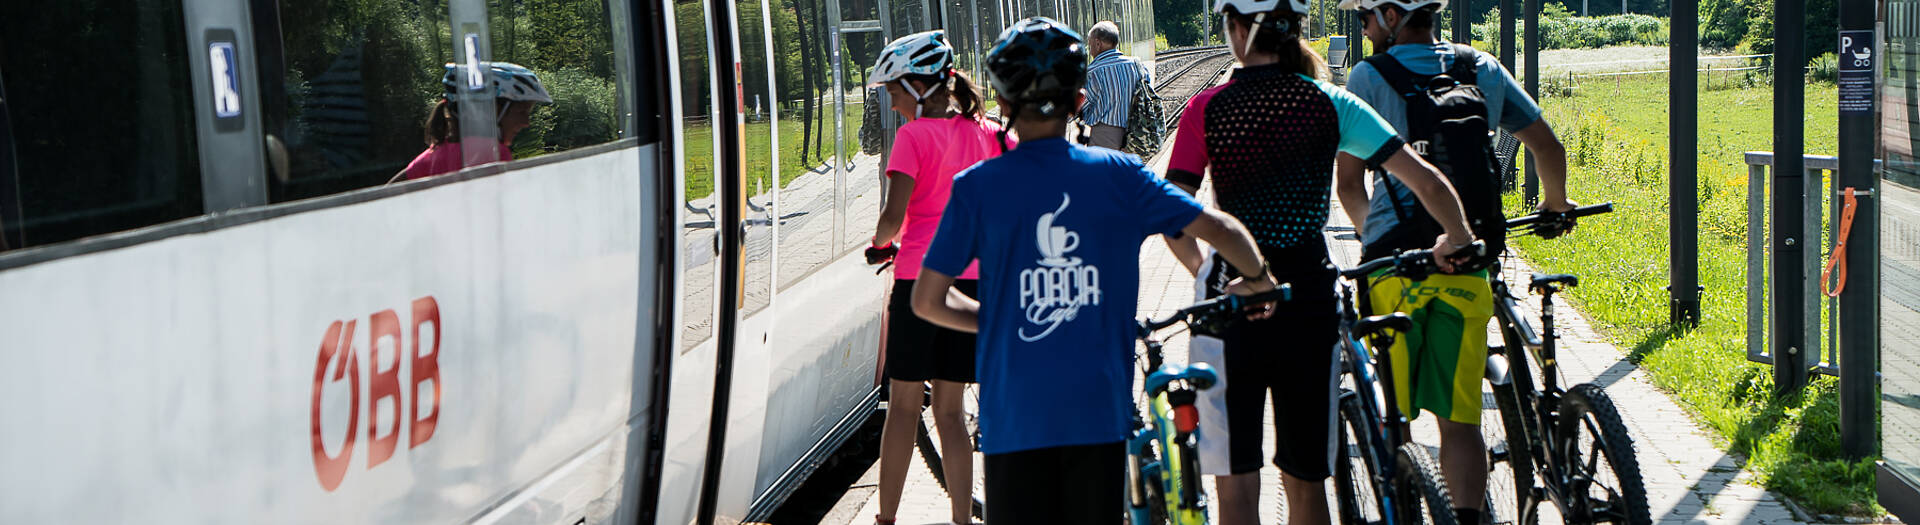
(1541, 280)
(1399, 322)
(1200, 375)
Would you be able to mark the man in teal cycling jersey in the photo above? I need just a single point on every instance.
(1450, 343)
(1057, 228)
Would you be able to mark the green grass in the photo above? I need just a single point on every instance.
(1616, 138)
(699, 152)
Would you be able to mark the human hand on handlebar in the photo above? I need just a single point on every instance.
(882, 255)
(1245, 287)
(1446, 253)
(1562, 223)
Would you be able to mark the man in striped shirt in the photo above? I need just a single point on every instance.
(1110, 81)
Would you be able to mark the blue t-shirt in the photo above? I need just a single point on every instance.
(1508, 108)
(1057, 229)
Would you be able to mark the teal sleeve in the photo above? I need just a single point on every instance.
(1363, 133)
(1517, 110)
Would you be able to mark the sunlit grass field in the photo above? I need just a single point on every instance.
(1616, 134)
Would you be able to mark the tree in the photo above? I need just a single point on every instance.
(1179, 20)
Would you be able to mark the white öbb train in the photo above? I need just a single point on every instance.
(213, 311)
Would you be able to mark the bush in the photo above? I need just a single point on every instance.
(1558, 30)
(583, 114)
(1824, 68)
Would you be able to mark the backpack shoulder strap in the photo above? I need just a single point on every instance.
(1466, 65)
(1397, 76)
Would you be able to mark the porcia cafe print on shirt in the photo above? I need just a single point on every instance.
(1053, 291)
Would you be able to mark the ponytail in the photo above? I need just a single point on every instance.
(1280, 36)
(443, 125)
(967, 95)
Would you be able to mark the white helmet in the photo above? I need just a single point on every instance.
(925, 53)
(1405, 5)
(1254, 7)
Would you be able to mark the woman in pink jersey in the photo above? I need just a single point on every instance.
(946, 133)
(515, 89)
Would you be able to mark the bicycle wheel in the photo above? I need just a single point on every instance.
(1422, 490)
(1597, 454)
(1356, 475)
(1149, 482)
(1524, 438)
(1510, 456)
(929, 444)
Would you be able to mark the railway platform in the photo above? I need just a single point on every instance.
(1689, 478)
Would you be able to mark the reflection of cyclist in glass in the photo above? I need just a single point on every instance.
(1268, 139)
(946, 132)
(1056, 229)
(515, 89)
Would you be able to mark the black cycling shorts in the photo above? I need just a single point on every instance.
(1058, 485)
(1289, 357)
(918, 350)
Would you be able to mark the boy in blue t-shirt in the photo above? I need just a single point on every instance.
(1057, 228)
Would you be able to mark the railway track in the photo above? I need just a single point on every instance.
(1192, 71)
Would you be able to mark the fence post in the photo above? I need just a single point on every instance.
(1756, 258)
(1533, 90)
(1859, 326)
(1791, 342)
(1683, 137)
(1507, 17)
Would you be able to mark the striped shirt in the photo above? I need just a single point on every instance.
(1110, 80)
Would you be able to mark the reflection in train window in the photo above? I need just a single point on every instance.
(100, 107)
(760, 162)
(803, 76)
(867, 114)
(569, 45)
(346, 87)
(698, 282)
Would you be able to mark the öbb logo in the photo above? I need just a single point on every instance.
(337, 355)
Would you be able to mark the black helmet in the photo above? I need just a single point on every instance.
(1038, 60)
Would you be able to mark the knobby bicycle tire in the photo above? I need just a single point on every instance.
(1356, 475)
(1628, 501)
(1510, 506)
(1421, 484)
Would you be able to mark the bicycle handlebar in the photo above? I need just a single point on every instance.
(1410, 263)
(1209, 310)
(1549, 224)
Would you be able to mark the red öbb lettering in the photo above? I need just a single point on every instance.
(339, 361)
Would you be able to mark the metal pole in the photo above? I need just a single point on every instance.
(1683, 137)
(1533, 90)
(1792, 344)
(1859, 326)
(1463, 22)
(1507, 16)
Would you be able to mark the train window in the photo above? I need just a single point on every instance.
(568, 44)
(804, 78)
(347, 88)
(866, 115)
(100, 105)
(761, 168)
(699, 285)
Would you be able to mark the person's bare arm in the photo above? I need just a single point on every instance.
(1439, 199)
(1186, 248)
(894, 214)
(1550, 161)
(934, 301)
(1234, 243)
(1350, 184)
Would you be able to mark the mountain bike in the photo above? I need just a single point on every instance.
(1572, 450)
(1380, 475)
(1163, 468)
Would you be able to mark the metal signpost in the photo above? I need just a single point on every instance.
(1683, 257)
(1792, 343)
(1859, 326)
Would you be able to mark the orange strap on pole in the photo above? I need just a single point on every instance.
(1839, 257)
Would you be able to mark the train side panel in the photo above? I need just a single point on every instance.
(365, 362)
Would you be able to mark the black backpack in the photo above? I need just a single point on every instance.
(1447, 125)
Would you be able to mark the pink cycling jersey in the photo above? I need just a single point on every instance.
(443, 158)
(932, 151)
